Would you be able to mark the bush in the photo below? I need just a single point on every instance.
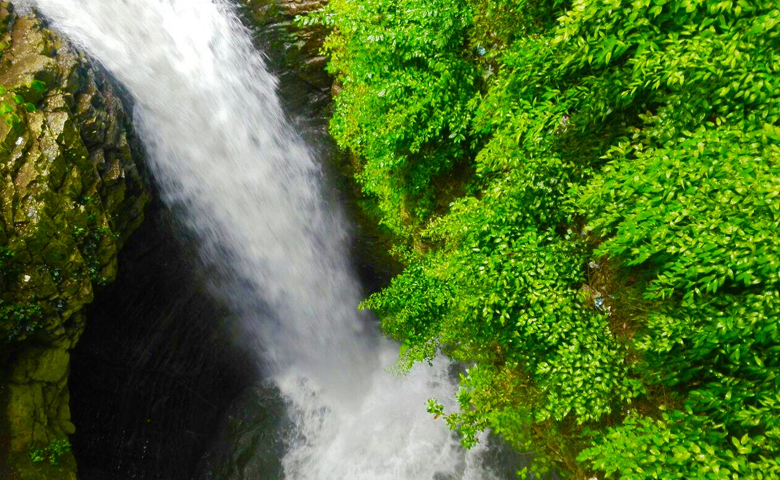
(586, 197)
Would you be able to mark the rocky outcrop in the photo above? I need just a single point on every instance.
(293, 54)
(72, 190)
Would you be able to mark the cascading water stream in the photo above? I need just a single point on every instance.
(222, 152)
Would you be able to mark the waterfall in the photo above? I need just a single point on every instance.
(248, 187)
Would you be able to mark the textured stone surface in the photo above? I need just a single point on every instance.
(71, 192)
(293, 54)
(251, 440)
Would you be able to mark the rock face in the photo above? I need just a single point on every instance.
(72, 190)
(293, 54)
(251, 441)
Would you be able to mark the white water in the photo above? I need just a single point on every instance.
(223, 154)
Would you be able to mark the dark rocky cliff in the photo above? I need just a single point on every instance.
(293, 54)
(72, 190)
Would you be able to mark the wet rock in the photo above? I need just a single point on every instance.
(250, 443)
(72, 190)
(293, 55)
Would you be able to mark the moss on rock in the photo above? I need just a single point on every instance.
(293, 53)
(293, 50)
(72, 190)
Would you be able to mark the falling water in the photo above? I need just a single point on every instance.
(249, 188)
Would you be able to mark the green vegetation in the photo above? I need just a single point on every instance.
(15, 101)
(53, 451)
(586, 196)
(17, 320)
(89, 239)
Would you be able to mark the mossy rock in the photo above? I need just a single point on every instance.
(27, 470)
(72, 190)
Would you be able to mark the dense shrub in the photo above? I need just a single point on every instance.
(587, 198)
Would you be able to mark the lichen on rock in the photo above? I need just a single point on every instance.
(72, 190)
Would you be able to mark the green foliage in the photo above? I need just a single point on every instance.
(37, 455)
(89, 240)
(38, 86)
(586, 196)
(9, 109)
(404, 106)
(18, 320)
(16, 105)
(673, 448)
(8, 269)
(52, 452)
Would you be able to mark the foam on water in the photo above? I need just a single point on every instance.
(224, 155)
